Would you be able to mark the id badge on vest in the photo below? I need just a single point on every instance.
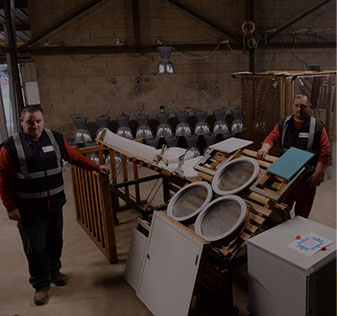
(303, 135)
(48, 149)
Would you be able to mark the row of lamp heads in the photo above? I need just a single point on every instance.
(164, 130)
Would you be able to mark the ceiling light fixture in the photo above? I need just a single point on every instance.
(165, 66)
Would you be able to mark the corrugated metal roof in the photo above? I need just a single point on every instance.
(23, 32)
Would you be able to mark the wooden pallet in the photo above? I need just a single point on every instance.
(258, 214)
(210, 163)
(261, 208)
(208, 166)
(274, 187)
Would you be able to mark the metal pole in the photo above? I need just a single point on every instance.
(85, 50)
(252, 50)
(3, 126)
(166, 189)
(136, 24)
(12, 63)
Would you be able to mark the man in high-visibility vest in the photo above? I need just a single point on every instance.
(31, 189)
(302, 131)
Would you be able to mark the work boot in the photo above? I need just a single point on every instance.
(41, 297)
(59, 279)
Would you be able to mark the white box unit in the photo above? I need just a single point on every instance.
(284, 282)
(170, 267)
(136, 253)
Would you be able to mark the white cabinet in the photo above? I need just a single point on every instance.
(170, 267)
(136, 254)
(284, 282)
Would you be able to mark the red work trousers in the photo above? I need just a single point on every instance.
(303, 196)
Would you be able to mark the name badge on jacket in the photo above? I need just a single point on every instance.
(303, 135)
(47, 149)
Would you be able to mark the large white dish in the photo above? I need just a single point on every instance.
(227, 180)
(188, 202)
(218, 225)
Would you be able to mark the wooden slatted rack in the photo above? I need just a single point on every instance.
(93, 205)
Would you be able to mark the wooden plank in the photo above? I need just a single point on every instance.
(245, 236)
(282, 206)
(252, 153)
(256, 218)
(81, 194)
(194, 179)
(75, 190)
(224, 251)
(219, 157)
(88, 202)
(106, 206)
(263, 164)
(205, 176)
(100, 157)
(235, 245)
(265, 179)
(85, 203)
(91, 149)
(91, 205)
(259, 208)
(282, 186)
(213, 164)
(252, 228)
(85, 207)
(259, 198)
(97, 210)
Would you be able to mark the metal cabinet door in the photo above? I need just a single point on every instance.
(170, 268)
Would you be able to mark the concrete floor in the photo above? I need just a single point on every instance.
(96, 287)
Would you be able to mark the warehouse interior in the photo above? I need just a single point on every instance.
(131, 68)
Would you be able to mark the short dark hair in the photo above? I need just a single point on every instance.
(31, 109)
(301, 95)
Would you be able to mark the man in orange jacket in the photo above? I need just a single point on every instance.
(302, 131)
(31, 189)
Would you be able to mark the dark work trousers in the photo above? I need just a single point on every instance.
(42, 242)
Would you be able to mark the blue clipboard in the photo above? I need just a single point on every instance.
(290, 163)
